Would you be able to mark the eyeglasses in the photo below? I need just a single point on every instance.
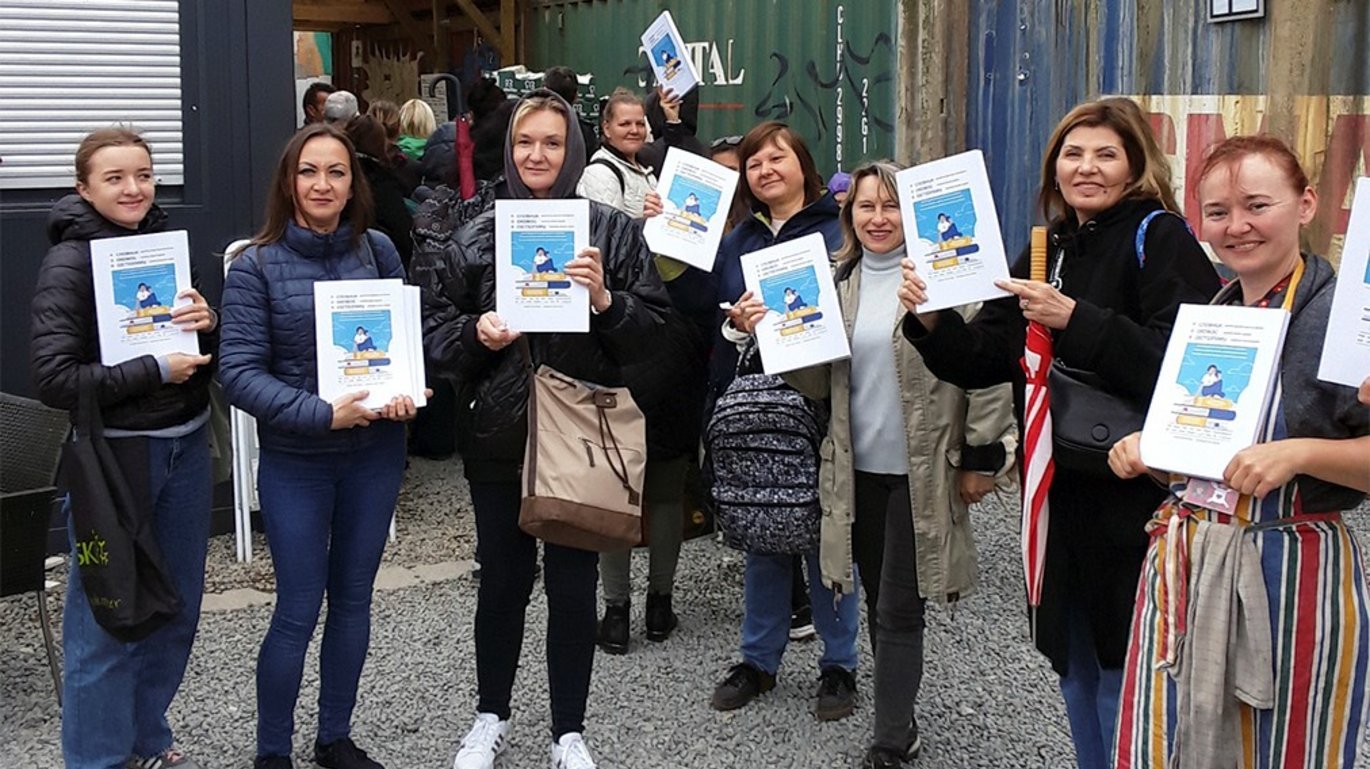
(725, 142)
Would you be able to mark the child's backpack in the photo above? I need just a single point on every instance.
(761, 465)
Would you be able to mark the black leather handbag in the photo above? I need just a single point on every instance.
(1087, 419)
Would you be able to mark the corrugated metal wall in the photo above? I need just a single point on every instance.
(1302, 73)
(828, 68)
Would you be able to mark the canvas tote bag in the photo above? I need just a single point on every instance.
(585, 462)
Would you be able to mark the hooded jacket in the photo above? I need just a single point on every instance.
(64, 336)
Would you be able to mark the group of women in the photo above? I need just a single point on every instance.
(921, 427)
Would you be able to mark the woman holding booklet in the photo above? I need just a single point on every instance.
(1267, 668)
(155, 412)
(465, 337)
(330, 472)
(900, 469)
(668, 384)
(1118, 270)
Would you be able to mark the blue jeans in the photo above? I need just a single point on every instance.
(115, 695)
(766, 616)
(1091, 694)
(326, 518)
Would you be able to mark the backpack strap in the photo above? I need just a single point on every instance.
(618, 173)
(1140, 243)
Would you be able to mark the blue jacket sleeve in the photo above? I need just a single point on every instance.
(245, 357)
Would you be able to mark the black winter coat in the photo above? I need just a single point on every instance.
(392, 216)
(458, 286)
(64, 335)
(1124, 312)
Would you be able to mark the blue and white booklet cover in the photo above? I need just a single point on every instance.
(696, 195)
(368, 336)
(803, 324)
(1214, 389)
(136, 280)
(952, 230)
(1346, 348)
(534, 239)
(670, 58)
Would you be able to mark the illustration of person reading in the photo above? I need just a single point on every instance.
(793, 301)
(362, 342)
(946, 228)
(669, 61)
(542, 261)
(146, 297)
(692, 204)
(1211, 384)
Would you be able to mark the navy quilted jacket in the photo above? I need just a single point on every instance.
(267, 356)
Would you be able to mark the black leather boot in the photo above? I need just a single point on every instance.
(660, 619)
(613, 629)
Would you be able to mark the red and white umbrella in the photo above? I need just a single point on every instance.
(1038, 467)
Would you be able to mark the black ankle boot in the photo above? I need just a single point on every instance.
(613, 629)
(660, 619)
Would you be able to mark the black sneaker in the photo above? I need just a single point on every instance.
(801, 624)
(272, 762)
(342, 754)
(743, 684)
(613, 629)
(915, 742)
(661, 621)
(836, 694)
(882, 758)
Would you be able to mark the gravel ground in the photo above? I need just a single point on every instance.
(988, 700)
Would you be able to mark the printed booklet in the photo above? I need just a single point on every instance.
(696, 195)
(952, 230)
(534, 239)
(669, 57)
(1346, 348)
(803, 326)
(1215, 386)
(136, 281)
(369, 336)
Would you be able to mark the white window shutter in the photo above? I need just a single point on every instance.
(68, 67)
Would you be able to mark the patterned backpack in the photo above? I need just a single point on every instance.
(761, 464)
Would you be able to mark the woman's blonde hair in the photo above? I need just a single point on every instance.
(535, 102)
(618, 98)
(1150, 170)
(880, 169)
(417, 120)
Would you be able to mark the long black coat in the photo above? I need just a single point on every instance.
(1124, 312)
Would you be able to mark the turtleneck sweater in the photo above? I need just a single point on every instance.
(879, 442)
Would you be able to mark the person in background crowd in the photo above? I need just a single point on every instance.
(613, 176)
(839, 184)
(314, 97)
(330, 472)
(673, 121)
(781, 185)
(402, 167)
(1294, 685)
(387, 190)
(563, 82)
(668, 385)
(910, 454)
(340, 107)
(416, 125)
(723, 151)
(388, 115)
(155, 411)
(1102, 176)
(465, 338)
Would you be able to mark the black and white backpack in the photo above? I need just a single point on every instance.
(761, 464)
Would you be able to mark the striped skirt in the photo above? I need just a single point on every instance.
(1315, 582)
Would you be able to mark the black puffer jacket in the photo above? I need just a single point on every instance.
(64, 336)
(459, 286)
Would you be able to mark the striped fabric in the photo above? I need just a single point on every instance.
(1315, 583)
(1037, 464)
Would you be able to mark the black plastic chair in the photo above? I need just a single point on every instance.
(31, 437)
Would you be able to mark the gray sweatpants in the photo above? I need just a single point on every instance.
(664, 506)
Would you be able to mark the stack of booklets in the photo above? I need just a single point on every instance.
(369, 336)
(1215, 388)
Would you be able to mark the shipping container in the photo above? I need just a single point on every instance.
(827, 68)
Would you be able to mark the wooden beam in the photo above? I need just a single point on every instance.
(411, 28)
(307, 12)
(508, 12)
(483, 25)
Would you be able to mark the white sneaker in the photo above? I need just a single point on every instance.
(570, 752)
(486, 740)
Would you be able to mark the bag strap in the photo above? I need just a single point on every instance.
(89, 421)
(618, 174)
(603, 402)
(1139, 243)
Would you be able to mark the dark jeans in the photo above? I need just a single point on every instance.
(874, 502)
(506, 582)
(326, 517)
(899, 622)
